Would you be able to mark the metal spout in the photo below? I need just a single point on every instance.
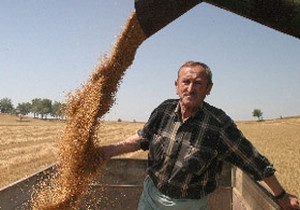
(153, 15)
(281, 15)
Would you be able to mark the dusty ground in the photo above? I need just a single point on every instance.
(29, 145)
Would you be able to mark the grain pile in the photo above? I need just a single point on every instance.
(77, 146)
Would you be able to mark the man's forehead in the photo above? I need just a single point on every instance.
(197, 71)
(191, 68)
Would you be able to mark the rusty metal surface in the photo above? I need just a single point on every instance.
(123, 171)
(118, 186)
(120, 183)
(112, 197)
(17, 195)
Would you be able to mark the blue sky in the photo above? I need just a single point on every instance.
(49, 48)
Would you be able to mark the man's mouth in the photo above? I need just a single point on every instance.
(189, 95)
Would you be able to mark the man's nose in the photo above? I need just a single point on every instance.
(190, 87)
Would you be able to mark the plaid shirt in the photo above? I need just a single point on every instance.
(185, 158)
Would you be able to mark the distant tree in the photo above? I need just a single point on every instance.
(36, 107)
(46, 107)
(41, 107)
(119, 120)
(55, 109)
(23, 108)
(58, 110)
(6, 105)
(257, 113)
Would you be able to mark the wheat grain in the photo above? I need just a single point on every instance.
(84, 108)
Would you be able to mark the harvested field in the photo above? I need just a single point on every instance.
(30, 145)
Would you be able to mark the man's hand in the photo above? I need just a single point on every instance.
(289, 202)
(102, 155)
(285, 200)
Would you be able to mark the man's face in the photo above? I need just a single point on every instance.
(192, 86)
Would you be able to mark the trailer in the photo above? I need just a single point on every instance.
(120, 181)
(119, 185)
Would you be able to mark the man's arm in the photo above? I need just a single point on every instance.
(285, 200)
(130, 144)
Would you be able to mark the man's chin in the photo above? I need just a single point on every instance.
(189, 104)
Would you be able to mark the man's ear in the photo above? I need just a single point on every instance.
(209, 87)
(176, 86)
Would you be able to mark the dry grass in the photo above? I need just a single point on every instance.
(29, 146)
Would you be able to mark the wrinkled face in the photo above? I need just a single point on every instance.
(192, 87)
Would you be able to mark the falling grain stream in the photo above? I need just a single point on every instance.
(77, 150)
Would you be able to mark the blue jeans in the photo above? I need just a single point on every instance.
(152, 199)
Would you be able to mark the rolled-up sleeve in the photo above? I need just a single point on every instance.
(144, 141)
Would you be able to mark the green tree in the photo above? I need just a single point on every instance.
(36, 105)
(55, 109)
(6, 105)
(23, 108)
(58, 110)
(46, 107)
(257, 113)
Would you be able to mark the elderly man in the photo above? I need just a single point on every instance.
(188, 141)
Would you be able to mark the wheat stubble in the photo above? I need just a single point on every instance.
(76, 167)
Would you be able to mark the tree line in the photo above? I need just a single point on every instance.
(40, 108)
